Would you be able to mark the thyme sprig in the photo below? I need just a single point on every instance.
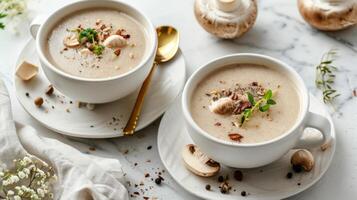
(262, 104)
(325, 76)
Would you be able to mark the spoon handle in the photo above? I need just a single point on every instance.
(135, 113)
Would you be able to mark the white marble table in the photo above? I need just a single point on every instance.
(279, 32)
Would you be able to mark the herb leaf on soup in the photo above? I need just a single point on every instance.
(88, 34)
(263, 105)
(98, 49)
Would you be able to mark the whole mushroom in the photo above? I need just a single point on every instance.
(226, 19)
(329, 15)
(303, 159)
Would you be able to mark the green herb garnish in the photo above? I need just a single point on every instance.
(98, 49)
(325, 76)
(262, 104)
(89, 34)
(2, 25)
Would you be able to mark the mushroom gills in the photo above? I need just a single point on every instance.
(199, 163)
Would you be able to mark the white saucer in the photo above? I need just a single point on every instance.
(268, 182)
(167, 84)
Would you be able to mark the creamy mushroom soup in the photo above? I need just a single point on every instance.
(245, 103)
(97, 43)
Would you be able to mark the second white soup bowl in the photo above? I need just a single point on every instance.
(239, 155)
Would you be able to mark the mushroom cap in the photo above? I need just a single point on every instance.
(222, 106)
(198, 163)
(329, 15)
(114, 41)
(303, 158)
(71, 40)
(227, 25)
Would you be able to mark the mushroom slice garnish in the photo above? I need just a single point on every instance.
(329, 15)
(71, 40)
(198, 163)
(222, 106)
(85, 52)
(26, 71)
(114, 41)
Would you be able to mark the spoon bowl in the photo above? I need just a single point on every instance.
(168, 43)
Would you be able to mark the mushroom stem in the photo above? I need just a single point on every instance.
(227, 5)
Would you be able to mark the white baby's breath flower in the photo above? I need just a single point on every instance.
(21, 175)
(27, 160)
(6, 182)
(16, 197)
(41, 179)
(40, 192)
(26, 171)
(10, 193)
(14, 179)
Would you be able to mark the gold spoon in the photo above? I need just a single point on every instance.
(168, 42)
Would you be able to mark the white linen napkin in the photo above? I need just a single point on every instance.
(80, 176)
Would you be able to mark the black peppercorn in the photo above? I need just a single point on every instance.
(220, 179)
(289, 175)
(208, 187)
(238, 175)
(158, 181)
(243, 193)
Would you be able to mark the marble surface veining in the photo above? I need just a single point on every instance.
(279, 32)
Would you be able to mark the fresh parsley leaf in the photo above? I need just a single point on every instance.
(88, 33)
(98, 49)
(250, 98)
(2, 26)
(263, 105)
(264, 108)
(268, 94)
(271, 102)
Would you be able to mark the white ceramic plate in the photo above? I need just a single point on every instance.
(167, 84)
(268, 182)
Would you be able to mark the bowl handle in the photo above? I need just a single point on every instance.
(320, 123)
(35, 25)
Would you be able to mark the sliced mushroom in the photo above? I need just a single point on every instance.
(85, 52)
(71, 40)
(304, 159)
(26, 71)
(227, 19)
(114, 41)
(329, 15)
(198, 163)
(222, 106)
